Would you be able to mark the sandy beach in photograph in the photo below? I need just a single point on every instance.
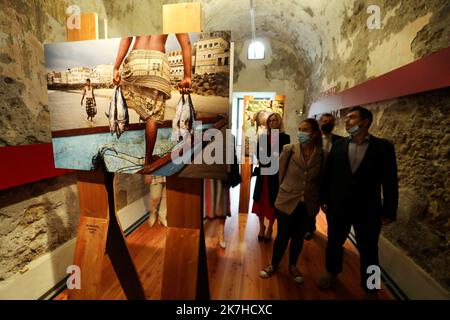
(67, 113)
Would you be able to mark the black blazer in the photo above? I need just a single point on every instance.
(344, 192)
(335, 137)
(272, 179)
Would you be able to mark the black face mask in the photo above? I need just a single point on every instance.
(327, 127)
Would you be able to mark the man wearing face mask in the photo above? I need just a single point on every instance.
(357, 169)
(326, 123)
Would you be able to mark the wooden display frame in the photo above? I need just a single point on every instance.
(185, 274)
(100, 230)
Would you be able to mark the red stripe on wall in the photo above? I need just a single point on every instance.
(429, 73)
(24, 164)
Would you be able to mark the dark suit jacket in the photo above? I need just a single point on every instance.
(273, 179)
(360, 193)
(335, 137)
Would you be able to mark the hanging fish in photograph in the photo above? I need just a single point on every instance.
(183, 122)
(118, 113)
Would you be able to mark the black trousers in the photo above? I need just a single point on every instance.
(367, 232)
(311, 225)
(290, 227)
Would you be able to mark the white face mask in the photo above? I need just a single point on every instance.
(354, 130)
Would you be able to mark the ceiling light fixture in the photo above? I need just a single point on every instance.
(256, 49)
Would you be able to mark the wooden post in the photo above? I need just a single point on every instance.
(246, 168)
(244, 191)
(182, 17)
(99, 227)
(185, 274)
(88, 27)
(100, 230)
(92, 233)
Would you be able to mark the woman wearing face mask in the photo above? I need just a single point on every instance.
(298, 197)
(266, 186)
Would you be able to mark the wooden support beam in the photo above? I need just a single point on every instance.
(92, 233)
(185, 273)
(182, 17)
(99, 229)
(88, 28)
(246, 176)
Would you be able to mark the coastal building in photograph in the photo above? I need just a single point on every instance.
(213, 53)
(102, 73)
(176, 64)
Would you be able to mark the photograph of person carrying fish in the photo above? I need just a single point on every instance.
(141, 86)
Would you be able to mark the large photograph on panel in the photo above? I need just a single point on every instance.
(129, 104)
(256, 113)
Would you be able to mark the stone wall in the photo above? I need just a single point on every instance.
(36, 219)
(356, 54)
(24, 112)
(419, 128)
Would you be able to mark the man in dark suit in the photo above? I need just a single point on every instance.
(357, 169)
(326, 123)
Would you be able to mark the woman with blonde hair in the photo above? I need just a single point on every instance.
(266, 187)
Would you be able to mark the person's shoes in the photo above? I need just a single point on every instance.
(267, 271)
(326, 280)
(296, 275)
(268, 235)
(152, 219)
(308, 235)
(261, 233)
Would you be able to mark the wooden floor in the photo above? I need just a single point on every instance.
(234, 271)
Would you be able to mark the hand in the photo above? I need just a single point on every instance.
(386, 221)
(184, 86)
(116, 76)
